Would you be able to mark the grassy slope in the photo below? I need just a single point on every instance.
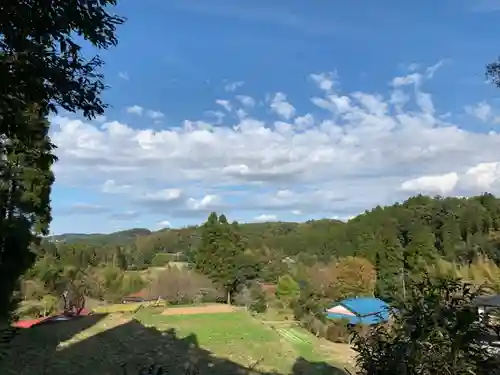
(219, 343)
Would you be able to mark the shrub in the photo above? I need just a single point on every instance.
(287, 289)
(434, 329)
(161, 259)
(314, 325)
(338, 331)
(182, 286)
(258, 300)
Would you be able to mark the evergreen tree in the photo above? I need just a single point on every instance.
(221, 255)
(42, 68)
(25, 185)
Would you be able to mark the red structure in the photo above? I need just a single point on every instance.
(50, 319)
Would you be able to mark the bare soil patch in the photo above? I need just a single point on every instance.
(207, 309)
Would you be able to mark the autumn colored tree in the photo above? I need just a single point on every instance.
(354, 277)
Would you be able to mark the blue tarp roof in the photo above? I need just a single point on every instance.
(367, 310)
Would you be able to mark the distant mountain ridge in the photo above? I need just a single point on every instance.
(120, 237)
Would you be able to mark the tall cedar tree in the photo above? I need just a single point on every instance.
(42, 64)
(25, 185)
(221, 255)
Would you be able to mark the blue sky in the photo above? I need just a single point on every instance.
(279, 110)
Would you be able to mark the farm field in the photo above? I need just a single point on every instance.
(211, 343)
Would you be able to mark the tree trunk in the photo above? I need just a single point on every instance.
(228, 298)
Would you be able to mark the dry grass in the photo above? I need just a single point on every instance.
(204, 309)
(118, 308)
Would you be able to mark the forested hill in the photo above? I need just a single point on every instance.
(119, 238)
(404, 235)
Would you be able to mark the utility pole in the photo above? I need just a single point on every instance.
(403, 282)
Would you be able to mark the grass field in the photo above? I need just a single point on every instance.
(118, 308)
(226, 343)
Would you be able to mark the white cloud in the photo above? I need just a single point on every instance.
(483, 177)
(218, 115)
(110, 186)
(135, 109)
(438, 184)
(325, 81)
(226, 104)
(208, 202)
(246, 100)
(155, 115)
(233, 86)
(304, 122)
(164, 195)
(410, 79)
(365, 149)
(101, 119)
(482, 111)
(123, 75)
(164, 224)
(281, 107)
(265, 217)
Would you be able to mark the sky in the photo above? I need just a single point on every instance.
(284, 110)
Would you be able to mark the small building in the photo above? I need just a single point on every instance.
(487, 306)
(268, 288)
(361, 310)
(142, 296)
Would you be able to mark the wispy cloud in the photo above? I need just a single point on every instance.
(233, 86)
(155, 115)
(124, 75)
(225, 104)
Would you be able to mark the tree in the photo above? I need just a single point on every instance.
(221, 255)
(42, 68)
(436, 328)
(287, 289)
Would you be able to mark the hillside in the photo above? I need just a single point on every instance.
(406, 235)
(121, 237)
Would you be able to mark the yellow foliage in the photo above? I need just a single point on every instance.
(481, 272)
(345, 277)
(119, 307)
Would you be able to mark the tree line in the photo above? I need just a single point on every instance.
(381, 252)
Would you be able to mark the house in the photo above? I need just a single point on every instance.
(142, 296)
(488, 307)
(268, 289)
(361, 310)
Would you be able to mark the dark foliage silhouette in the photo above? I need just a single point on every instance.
(129, 348)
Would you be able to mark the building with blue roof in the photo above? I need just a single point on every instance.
(361, 310)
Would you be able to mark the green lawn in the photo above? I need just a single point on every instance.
(225, 343)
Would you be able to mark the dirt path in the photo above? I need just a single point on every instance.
(207, 309)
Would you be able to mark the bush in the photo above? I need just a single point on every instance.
(338, 331)
(436, 329)
(287, 289)
(161, 259)
(258, 300)
(314, 325)
(45, 306)
(182, 286)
